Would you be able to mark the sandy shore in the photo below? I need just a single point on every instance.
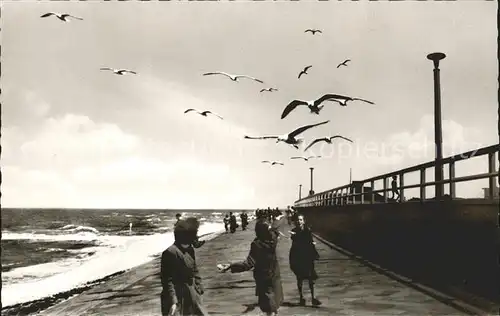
(345, 286)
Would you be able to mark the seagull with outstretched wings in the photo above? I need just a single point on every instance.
(204, 113)
(232, 77)
(305, 158)
(304, 71)
(290, 138)
(273, 162)
(269, 90)
(315, 106)
(120, 72)
(327, 140)
(63, 17)
(344, 63)
(313, 31)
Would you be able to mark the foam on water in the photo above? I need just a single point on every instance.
(84, 236)
(115, 253)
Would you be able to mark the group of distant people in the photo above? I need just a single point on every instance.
(182, 284)
(269, 213)
(230, 223)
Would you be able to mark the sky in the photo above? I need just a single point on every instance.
(77, 137)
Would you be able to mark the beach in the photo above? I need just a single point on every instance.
(49, 255)
(345, 286)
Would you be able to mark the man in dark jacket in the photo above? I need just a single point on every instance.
(196, 243)
(180, 279)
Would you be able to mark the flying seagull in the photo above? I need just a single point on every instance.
(305, 158)
(232, 77)
(269, 89)
(344, 63)
(290, 138)
(204, 113)
(313, 31)
(63, 17)
(304, 71)
(119, 71)
(344, 99)
(326, 139)
(313, 105)
(273, 162)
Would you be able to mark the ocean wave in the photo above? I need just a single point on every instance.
(73, 228)
(85, 236)
(114, 253)
(53, 250)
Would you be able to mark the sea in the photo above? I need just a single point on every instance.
(50, 251)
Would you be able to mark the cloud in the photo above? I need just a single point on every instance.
(75, 162)
(74, 140)
(408, 148)
(23, 107)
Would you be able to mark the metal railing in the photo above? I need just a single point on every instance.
(346, 194)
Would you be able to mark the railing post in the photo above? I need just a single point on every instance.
(353, 197)
(362, 200)
(372, 198)
(385, 190)
(422, 184)
(348, 193)
(402, 190)
(451, 172)
(491, 181)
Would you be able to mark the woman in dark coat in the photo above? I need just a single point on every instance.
(180, 279)
(262, 258)
(302, 256)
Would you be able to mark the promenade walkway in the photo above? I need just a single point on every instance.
(345, 286)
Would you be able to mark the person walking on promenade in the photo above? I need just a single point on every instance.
(244, 220)
(262, 258)
(289, 215)
(394, 185)
(232, 222)
(196, 243)
(226, 223)
(181, 282)
(302, 256)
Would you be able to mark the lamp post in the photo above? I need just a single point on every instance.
(300, 191)
(438, 133)
(311, 192)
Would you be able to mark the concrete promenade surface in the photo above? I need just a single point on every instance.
(345, 287)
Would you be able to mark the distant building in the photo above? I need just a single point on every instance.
(486, 192)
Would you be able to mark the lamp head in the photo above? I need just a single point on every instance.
(436, 57)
